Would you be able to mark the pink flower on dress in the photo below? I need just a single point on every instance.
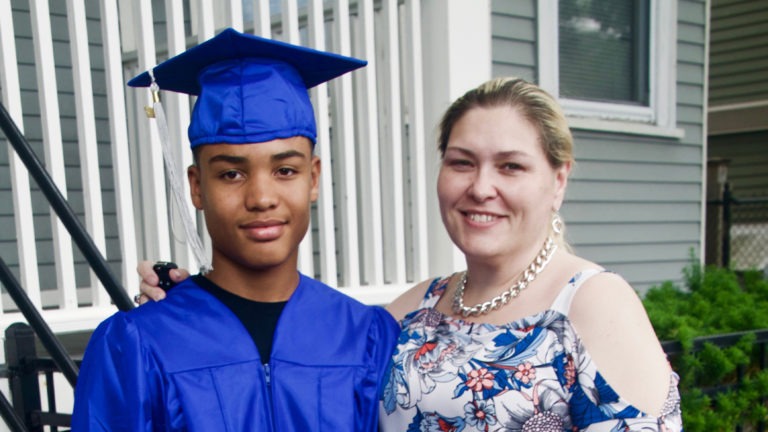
(525, 373)
(479, 379)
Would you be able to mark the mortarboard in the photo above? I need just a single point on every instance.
(250, 89)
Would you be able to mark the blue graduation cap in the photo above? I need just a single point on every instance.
(250, 89)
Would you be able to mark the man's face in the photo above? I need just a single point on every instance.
(256, 199)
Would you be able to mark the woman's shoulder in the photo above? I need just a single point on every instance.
(412, 299)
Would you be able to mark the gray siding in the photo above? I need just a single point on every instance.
(739, 74)
(738, 51)
(67, 116)
(634, 203)
(513, 30)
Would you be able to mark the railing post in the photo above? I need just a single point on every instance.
(23, 380)
(726, 257)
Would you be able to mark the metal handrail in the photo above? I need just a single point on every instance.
(722, 340)
(12, 420)
(90, 251)
(36, 321)
(68, 217)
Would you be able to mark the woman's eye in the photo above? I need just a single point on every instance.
(511, 166)
(459, 163)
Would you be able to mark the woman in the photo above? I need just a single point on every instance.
(530, 337)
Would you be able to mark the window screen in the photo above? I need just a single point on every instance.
(603, 48)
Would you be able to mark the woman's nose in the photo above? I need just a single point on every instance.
(483, 186)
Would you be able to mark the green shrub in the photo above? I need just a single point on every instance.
(715, 301)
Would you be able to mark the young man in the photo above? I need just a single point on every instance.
(252, 345)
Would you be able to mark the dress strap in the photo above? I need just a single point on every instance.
(434, 292)
(563, 300)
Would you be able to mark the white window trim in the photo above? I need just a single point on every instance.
(656, 119)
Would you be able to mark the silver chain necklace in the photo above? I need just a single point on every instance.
(530, 273)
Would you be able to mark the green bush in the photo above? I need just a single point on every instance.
(715, 301)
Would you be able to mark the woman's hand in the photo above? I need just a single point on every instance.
(149, 282)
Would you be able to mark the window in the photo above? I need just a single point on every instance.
(610, 60)
(603, 49)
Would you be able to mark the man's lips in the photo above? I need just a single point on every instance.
(264, 230)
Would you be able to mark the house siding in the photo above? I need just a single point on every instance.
(739, 52)
(738, 95)
(634, 202)
(513, 43)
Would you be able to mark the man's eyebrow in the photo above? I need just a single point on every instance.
(235, 160)
(277, 157)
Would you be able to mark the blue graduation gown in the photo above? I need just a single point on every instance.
(188, 364)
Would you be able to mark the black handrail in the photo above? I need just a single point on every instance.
(674, 347)
(36, 321)
(68, 217)
(12, 420)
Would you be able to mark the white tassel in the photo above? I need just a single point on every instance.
(174, 179)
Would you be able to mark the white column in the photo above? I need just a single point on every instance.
(87, 143)
(456, 37)
(118, 132)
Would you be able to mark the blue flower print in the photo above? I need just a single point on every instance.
(480, 414)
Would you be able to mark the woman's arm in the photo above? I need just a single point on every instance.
(615, 330)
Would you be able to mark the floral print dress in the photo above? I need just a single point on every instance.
(532, 374)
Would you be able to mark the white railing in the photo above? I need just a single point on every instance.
(370, 229)
(375, 229)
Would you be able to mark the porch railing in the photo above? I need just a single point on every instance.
(63, 68)
(23, 366)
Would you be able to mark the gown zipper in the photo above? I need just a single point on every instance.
(268, 380)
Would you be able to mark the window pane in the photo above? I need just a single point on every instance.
(603, 48)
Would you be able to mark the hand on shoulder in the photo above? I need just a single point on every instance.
(149, 286)
(612, 323)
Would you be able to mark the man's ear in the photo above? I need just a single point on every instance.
(193, 175)
(315, 173)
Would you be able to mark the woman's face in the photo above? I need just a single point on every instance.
(496, 188)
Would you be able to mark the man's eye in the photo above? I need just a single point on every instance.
(285, 171)
(230, 175)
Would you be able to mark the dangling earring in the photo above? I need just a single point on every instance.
(557, 223)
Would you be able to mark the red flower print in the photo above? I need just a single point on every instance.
(525, 373)
(479, 379)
